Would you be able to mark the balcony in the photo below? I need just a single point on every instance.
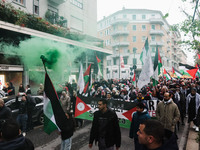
(168, 49)
(58, 1)
(121, 44)
(156, 21)
(156, 43)
(156, 32)
(118, 33)
(120, 21)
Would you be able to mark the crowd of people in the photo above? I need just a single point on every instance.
(179, 100)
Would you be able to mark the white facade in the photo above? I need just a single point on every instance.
(125, 33)
(81, 15)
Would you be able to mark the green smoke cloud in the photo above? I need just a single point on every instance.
(59, 58)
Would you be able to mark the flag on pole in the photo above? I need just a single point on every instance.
(87, 79)
(176, 72)
(147, 71)
(144, 52)
(133, 81)
(166, 75)
(157, 67)
(81, 83)
(192, 72)
(49, 119)
(99, 67)
(63, 123)
(122, 62)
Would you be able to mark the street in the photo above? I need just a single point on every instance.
(80, 139)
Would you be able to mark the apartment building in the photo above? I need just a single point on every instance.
(80, 15)
(125, 32)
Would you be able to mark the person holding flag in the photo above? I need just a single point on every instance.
(54, 115)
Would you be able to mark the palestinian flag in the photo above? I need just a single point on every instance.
(86, 106)
(87, 78)
(133, 81)
(63, 123)
(49, 119)
(176, 73)
(192, 72)
(99, 67)
(144, 51)
(166, 75)
(157, 67)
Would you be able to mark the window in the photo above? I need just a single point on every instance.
(153, 49)
(143, 27)
(20, 1)
(134, 38)
(36, 7)
(134, 27)
(124, 16)
(134, 17)
(143, 17)
(53, 11)
(125, 60)
(125, 27)
(134, 61)
(77, 3)
(114, 61)
(126, 51)
(153, 38)
(153, 27)
(143, 38)
(108, 62)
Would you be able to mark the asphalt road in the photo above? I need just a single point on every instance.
(43, 141)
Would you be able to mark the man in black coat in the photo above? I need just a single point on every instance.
(105, 128)
(5, 112)
(12, 138)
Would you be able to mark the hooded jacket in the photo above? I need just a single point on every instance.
(137, 118)
(20, 143)
(168, 114)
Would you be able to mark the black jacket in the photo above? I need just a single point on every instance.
(5, 113)
(20, 143)
(169, 142)
(111, 128)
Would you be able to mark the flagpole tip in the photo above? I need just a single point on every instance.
(44, 59)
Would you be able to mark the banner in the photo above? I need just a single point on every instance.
(86, 106)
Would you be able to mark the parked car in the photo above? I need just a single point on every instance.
(38, 115)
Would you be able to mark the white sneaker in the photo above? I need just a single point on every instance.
(197, 129)
(194, 127)
(24, 133)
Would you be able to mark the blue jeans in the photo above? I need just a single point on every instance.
(22, 120)
(66, 144)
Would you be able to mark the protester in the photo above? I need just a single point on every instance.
(65, 102)
(12, 139)
(30, 107)
(22, 116)
(167, 112)
(105, 128)
(153, 136)
(28, 89)
(192, 106)
(21, 90)
(5, 112)
(140, 115)
(10, 88)
(40, 91)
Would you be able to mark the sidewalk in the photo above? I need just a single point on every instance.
(191, 140)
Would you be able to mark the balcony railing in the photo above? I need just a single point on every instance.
(121, 44)
(120, 21)
(156, 32)
(158, 43)
(118, 33)
(58, 1)
(157, 21)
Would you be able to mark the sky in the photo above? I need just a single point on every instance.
(172, 7)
